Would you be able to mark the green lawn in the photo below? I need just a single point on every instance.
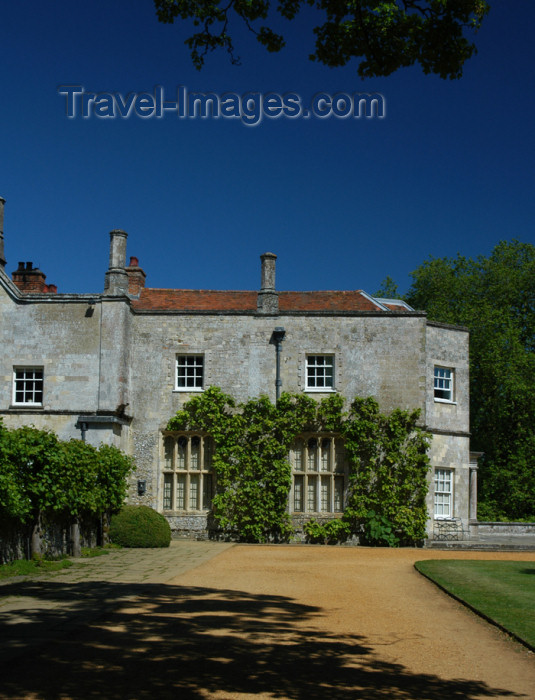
(503, 591)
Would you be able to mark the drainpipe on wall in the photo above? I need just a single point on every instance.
(82, 425)
(2, 258)
(278, 337)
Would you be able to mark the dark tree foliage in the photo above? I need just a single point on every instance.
(382, 36)
(495, 298)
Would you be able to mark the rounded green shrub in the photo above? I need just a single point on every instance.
(139, 526)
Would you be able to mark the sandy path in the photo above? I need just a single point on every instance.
(399, 635)
(287, 622)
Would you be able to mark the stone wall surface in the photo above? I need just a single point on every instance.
(451, 452)
(448, 347)
(59, 338)
(505, 529)
(383, 357)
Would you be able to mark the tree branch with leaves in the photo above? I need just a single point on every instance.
(382, 36)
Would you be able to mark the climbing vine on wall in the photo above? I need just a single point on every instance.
(388, 466)
(251, 449)
(387, 462)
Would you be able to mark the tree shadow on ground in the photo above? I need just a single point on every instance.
(183, 642)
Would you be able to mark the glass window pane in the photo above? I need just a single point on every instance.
(320, 371)
(443, 493)
(312, 454)
(312, 495)
(194, 492)
(326, 455)
(169, 446)
(298, 493)
(207, 491)
(190, 371)
(181, 492)
(443, 383)
(182, 447)
(195, 453)
(298, 456)
(325, 494)
(338, 494)
(168, 491)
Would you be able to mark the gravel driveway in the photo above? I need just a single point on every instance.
(281, 622)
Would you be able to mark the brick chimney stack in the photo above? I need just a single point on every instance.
(116, 281)
(2, 257)
(30, 279)
(136, 277)
(268, 299)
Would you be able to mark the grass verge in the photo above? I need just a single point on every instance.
(90, 552)
(503, 592)
(29, 567)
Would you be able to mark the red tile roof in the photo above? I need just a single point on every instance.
(326, 301)
(206, 300)
(194, 300)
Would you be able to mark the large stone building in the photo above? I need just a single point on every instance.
(114, 366)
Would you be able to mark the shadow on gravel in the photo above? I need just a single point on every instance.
(175, 642)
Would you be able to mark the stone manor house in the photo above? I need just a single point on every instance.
(115, 365)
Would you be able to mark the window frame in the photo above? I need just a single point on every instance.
(26, 380)
(449, 379)
(319, 466)
(202, 366)
(182, 466)
(308, 365)
(447, 477)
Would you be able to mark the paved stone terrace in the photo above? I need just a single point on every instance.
(36, 609)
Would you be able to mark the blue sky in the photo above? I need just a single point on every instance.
(342, 202)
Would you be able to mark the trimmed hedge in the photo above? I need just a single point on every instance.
(139, 526)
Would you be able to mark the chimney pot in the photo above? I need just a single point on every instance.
(116, 280)
(21, 267)
(136, 277)
(268, 299)
(29, 265)
(268, 271)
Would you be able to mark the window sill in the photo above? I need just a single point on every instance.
(31, 406)
(319, 513)
(323, 390)
(448, 401)
(182, 513)
(189, 390)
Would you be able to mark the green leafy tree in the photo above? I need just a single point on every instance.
(113, 469)
(14, 503)
(382, 35)
(43, 480)
(388, 289)
(495, 298)
(34, 460)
